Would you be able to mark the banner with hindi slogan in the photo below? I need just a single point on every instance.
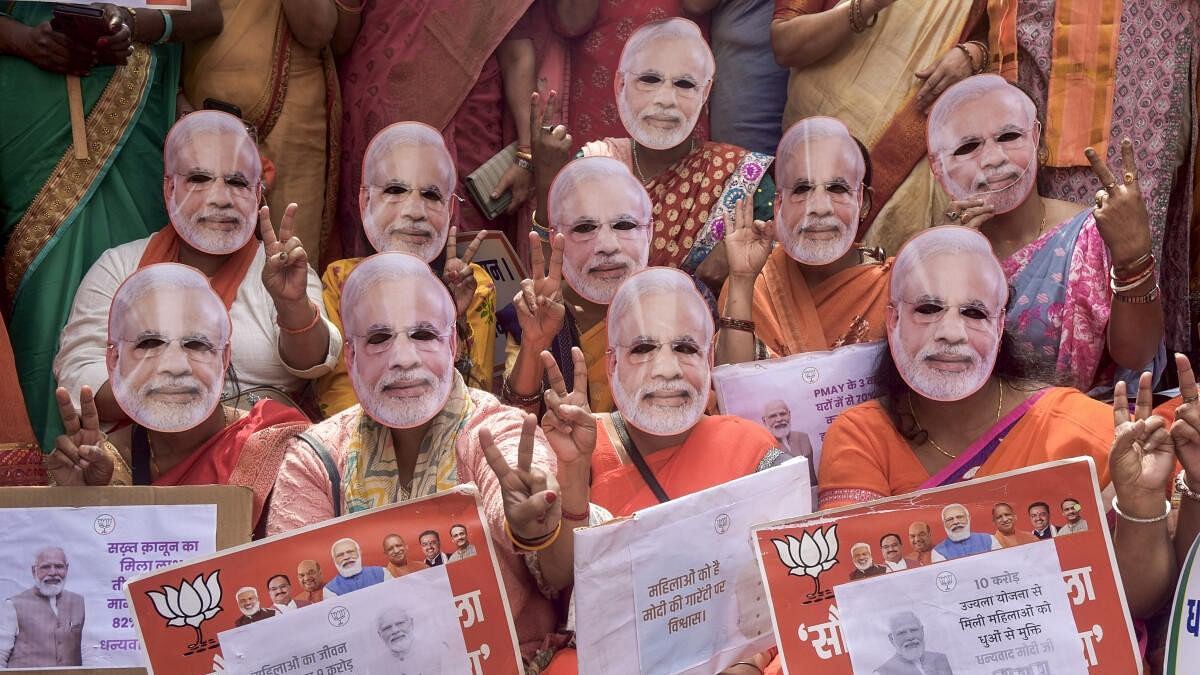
(675, 587)
(955, 579)
(797, 397)
(183, 612)
(1183, 636)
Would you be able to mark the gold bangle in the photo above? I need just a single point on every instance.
(533, 548)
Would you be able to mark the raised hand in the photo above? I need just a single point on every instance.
(938, 76)
(748, 244)
(539, 304)
(77, 458)
(568, 423)
(1120, 211)
(1186, 429)
(285, 270)
(457, 274)
(971, 213)
(1143, 452)
(531, 502)
(550, 143)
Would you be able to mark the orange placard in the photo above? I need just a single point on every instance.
(202, 586)
(802, 588)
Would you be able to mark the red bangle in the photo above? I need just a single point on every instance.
(298, 331)
(578, 517)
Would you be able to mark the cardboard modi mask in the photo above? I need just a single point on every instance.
(821, 192)
(663, 80)
(603, 213)
(213, 181)
(660, 349)
(946, 316)
(408, 181)
(400, 339)
(168, 347)
(983, 142)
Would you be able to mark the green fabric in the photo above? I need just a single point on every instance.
(125, 202)
(764, 199)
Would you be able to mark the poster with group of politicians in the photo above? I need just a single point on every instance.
(1007, 575)
(288, 603)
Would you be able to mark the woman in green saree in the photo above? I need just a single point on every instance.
(60, 208)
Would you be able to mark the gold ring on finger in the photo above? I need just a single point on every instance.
(1191, 399)
(1101, 195)
(953, 215)
(1130, 179)
(1110, 186)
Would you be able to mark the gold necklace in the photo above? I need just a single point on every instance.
(637, 167)
(999, 407)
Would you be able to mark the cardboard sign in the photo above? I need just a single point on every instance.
(1183, 636)
(674, 588)
(497, 256)
(181, 638)
(810, 563)
(797, 397)
(100, 532)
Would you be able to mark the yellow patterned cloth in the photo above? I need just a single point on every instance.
(334, 391)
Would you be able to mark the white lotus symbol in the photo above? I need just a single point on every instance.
(191, 604)
(810, 555)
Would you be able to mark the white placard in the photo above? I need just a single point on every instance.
(498, 257)
(404, 626)
(103, 546)
(675, 588)
(1000, 612)
(815, 386)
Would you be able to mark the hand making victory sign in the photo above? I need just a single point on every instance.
(568, 423)
(1143, 452)
(285, 269)
(531, 503)
(539, 303)
(77, 458)
(457, 274)
(1120, 212)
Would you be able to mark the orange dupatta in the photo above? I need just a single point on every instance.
(719, 449)
(1082, 72)
(847, 308)
(164, 247)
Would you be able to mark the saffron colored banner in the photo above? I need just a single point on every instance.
(180, 611)
(810, 562)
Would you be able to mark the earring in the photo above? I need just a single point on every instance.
(1043, 156)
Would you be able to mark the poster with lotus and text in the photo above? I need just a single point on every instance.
(431, 600)
(1012, 573)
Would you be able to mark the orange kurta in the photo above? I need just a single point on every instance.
(1015, 539)
(847, 308)
(719, 449)
(864, 453)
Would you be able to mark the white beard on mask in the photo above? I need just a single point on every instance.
(205, 237)
(166, 416)
(386, 237)
(1013, 189)
(601, 291)
(405, 413)
(649, 135)
(656, 419)
(941, 385)
(802, 248)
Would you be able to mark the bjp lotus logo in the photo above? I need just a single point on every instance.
(810, 555)
(190, 605)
